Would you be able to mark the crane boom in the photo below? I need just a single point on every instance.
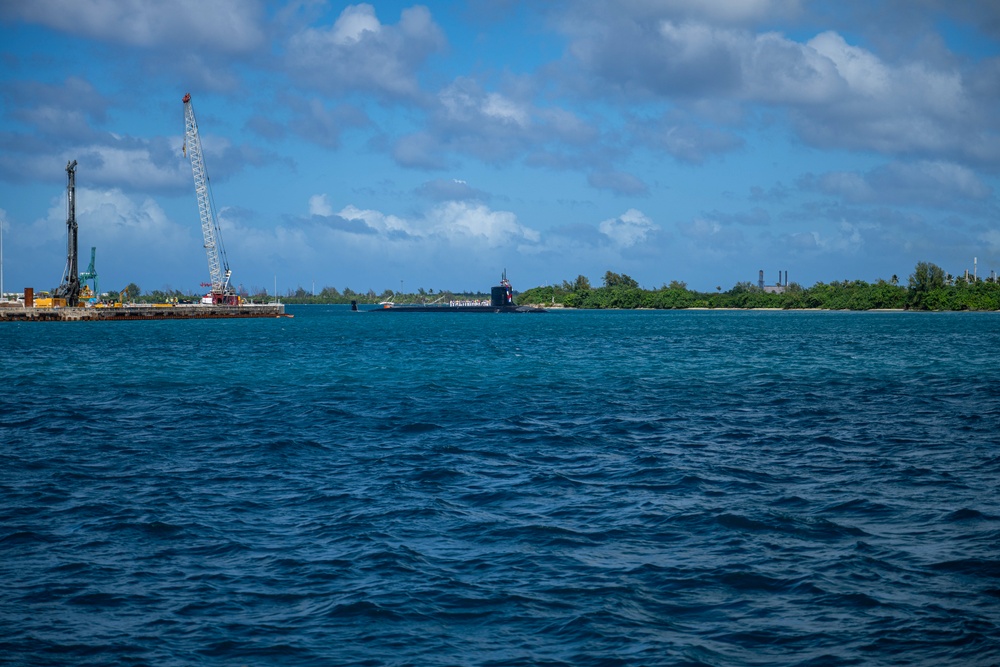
(218, 266)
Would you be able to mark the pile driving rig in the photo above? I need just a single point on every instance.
(218, 266)
(69, 289)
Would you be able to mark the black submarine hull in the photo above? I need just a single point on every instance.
(457, 309)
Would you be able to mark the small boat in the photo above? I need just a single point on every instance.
(501, 301)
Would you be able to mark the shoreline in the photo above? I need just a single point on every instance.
(152, 312)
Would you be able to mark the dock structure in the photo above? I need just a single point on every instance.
(143, 312)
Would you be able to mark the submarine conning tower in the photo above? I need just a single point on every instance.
(502, 294)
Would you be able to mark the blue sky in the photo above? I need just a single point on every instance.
(373, 145)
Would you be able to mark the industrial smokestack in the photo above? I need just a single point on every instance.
(760, 279)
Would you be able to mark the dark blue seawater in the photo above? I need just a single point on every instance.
(576, 488)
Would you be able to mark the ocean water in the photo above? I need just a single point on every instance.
(575, 488)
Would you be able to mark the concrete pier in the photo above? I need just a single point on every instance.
(141, 312)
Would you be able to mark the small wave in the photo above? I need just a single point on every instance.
(362, 609)
(978, 567)
(854, 600)
(106, 600)
(804, 527)
(25, 537)
(754, 581)
(419, 427)
(861, 506)
(966, 514)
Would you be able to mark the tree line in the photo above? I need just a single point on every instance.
(327, 295)
(928, 288)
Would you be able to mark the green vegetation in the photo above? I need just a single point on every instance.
(929, 288)
(328, 295)
(331, 295)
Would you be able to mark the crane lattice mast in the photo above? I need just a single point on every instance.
(218, 266)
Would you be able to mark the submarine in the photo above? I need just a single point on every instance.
(501, 301)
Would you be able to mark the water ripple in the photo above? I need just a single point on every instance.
(684, 488)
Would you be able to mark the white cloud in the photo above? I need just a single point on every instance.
(494, 126)
(132, 164)
(320, 205)
(358, 52)
(733, 11)
(862, 71)
(836, 93)
(377, 220)
(776, 70)
(136, 241)
(215, 25)
(136, 168)
(504, 109)
(921, 183)
(464, 102)
(630, 228)
(459, 221)
(455, 222)
(354, 21)
(719, 11)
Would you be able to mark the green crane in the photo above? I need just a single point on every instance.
(91, 272)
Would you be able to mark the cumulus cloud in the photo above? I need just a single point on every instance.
(387, 225)
(491, 124)
(430, 244)
(217, 25)
(360, 53)
(495, 126)
(455, 222)
(320, 205)
(922, 183)
(837, 94)
(132, 165)
(136, 241)
(630, 228)
(721, 11)
(459, 221)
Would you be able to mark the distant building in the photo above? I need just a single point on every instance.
(778, 288)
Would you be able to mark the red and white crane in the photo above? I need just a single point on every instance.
(218, 266)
